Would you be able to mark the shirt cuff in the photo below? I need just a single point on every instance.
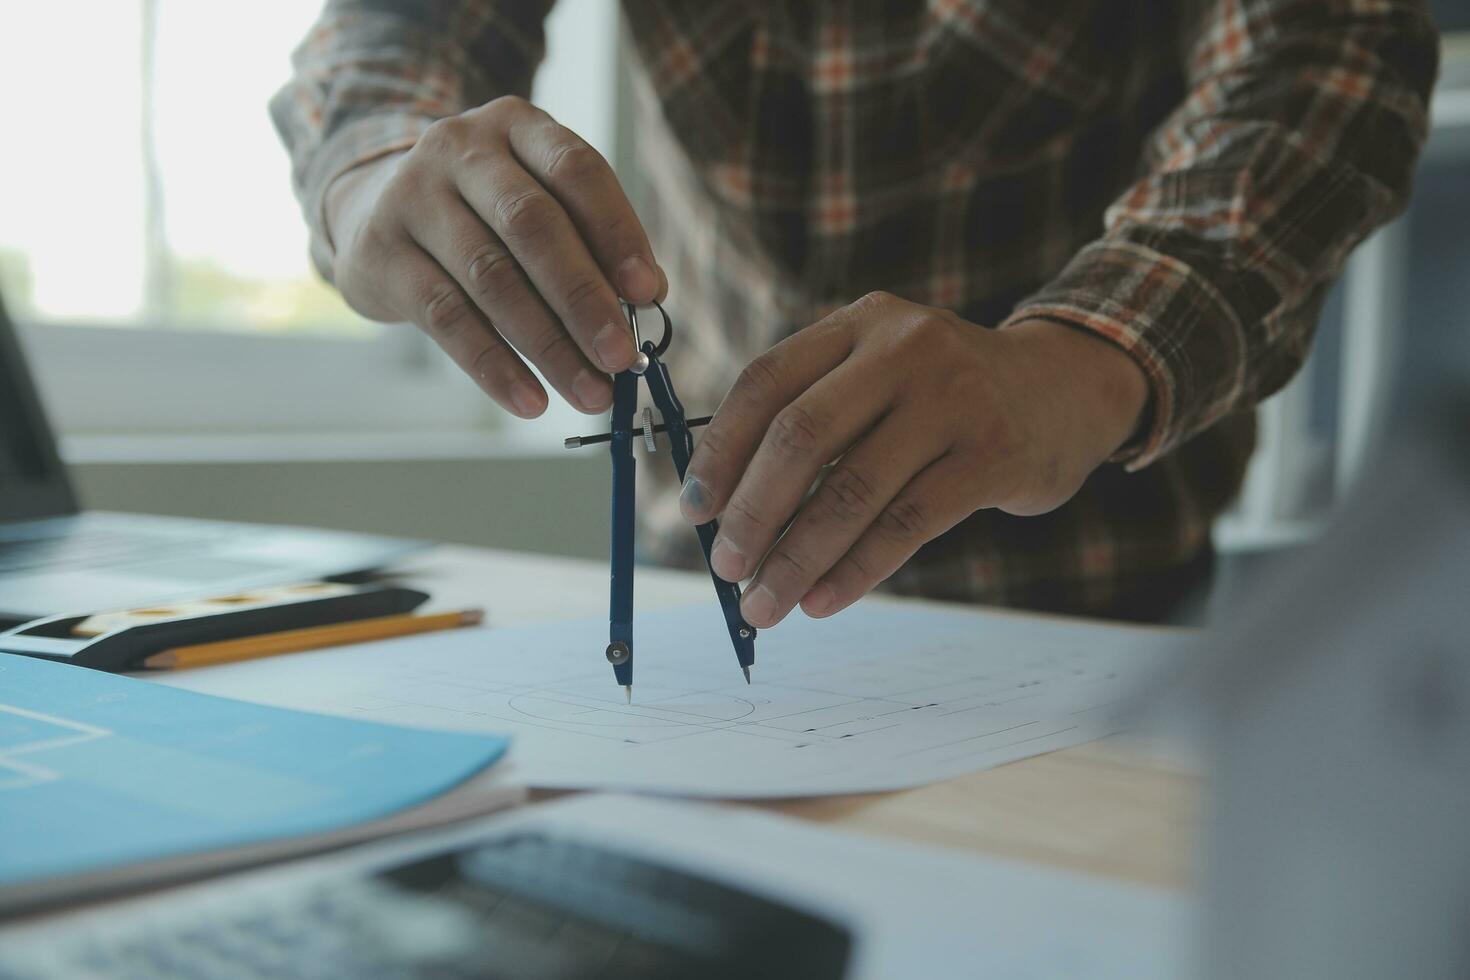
(1173, 322)
(356, 143)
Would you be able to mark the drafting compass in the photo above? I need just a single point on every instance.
(681, 444)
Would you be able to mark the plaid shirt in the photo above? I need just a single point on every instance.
(1184, 179)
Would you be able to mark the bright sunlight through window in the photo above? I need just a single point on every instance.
(150, 188)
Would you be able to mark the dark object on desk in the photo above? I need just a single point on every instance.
(524, 907)
(126, 647)
(54, 557)
(681, 446)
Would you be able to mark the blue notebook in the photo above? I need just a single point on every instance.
(98, 770)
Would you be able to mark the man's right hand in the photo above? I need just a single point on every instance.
(500, 229)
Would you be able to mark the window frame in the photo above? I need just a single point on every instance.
(100, 381)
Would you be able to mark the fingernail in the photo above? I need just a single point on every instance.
(819, 601)
(758, 606)
(727, 561)
(527, 400)
(591, 392)
(614, 347)
(637, 279)
(694, 501)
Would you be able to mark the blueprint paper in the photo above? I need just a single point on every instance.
(98, 770)
(880, 697)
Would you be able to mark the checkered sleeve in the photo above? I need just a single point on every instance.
(373, 74)
(1297, 137)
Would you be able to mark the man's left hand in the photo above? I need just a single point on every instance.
(928, 417)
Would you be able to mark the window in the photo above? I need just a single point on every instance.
(154, 251)
(150, 190)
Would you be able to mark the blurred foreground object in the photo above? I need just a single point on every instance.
(1337, 841)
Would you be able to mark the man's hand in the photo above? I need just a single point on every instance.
(500, 229)
(930, 419)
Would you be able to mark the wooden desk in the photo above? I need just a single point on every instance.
(1106, 807)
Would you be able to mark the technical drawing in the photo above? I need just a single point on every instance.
(29, 733)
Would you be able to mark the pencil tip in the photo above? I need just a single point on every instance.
(747, 674)
(628, 692)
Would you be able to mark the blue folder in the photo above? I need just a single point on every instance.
(98, 770)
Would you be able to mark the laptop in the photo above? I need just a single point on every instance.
(56, 558)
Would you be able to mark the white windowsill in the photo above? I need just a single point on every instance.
(298, 447)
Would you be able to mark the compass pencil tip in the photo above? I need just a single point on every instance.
(746, 671)
(628, 692)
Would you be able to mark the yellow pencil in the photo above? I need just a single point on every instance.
(312, 638)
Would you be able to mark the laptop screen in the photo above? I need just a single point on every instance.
(33, 482)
